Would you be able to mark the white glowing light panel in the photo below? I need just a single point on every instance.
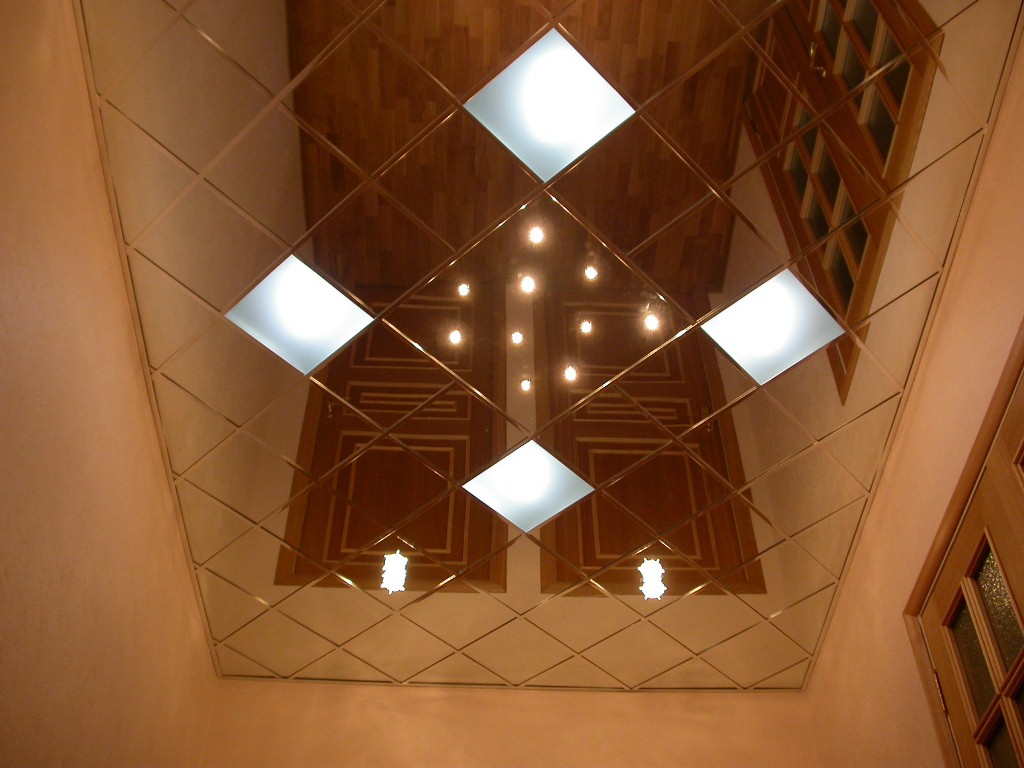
(549, 106)
(528, 487)
(773, 327)
(298, 315)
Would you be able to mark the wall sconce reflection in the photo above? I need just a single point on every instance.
(526, 385)
(463, 289)
(651, 572)
(570, 373)
(517, 337)
(590, 272)
(536, 235)
(586, 326)
(528, 284)
(393, 574)
(455, 337)
(651, 322)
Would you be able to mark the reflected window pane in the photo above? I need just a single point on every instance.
(853, 68)
(1000, 748)
(830, 28)
(841, 277)
(865, 19)
(829, 177)
(999, 607)
(897, 78)
(817, 218)
(856, 233)
(882, 126)
(972, 659)
(798, 173)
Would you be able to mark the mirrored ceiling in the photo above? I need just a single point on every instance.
(533, 293)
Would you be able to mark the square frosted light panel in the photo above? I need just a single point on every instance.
(528, 487)
(773, 327)
(549, 106)
(298, 315)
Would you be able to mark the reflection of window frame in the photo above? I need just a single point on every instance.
(845, 266)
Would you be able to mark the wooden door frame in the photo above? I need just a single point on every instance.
(950, 524)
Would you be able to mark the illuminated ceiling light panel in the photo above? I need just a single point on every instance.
(549, 106)
(773, 327)
(298, 315)
(528, 487)
(590, 272)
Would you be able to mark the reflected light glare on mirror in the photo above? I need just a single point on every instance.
(298, 315)
(528, 487)
(590, 272)
(517, 337)
(536, 235)
(773, 327)
(455, 337)
(651, 322)
(528, 284)
(393, 573)
(651, 572)
(549, 106)
(586, 326)
(526, 385)
(570, 373)
(463, 290)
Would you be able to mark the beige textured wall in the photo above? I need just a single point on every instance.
(102, 654)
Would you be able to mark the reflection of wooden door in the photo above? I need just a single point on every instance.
(971, 620)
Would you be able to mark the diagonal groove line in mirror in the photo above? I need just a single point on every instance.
(178, 13)
(825, 621)
(256, 119)
(270, 673)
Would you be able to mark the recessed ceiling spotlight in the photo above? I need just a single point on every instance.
(528, 487)
(586, 326)
(455, 337)
(549, 106)
(528, 284)
(590, 272)
(298, 315)
(517, 337)
(773, 327)
(393, 573)
(463, 289)
(570, 373)
(651, 322)
(651, 572)
(526, 385)
(536, 235)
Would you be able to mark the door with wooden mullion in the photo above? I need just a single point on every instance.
(972, 618)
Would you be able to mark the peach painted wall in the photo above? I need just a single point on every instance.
(102, 654)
